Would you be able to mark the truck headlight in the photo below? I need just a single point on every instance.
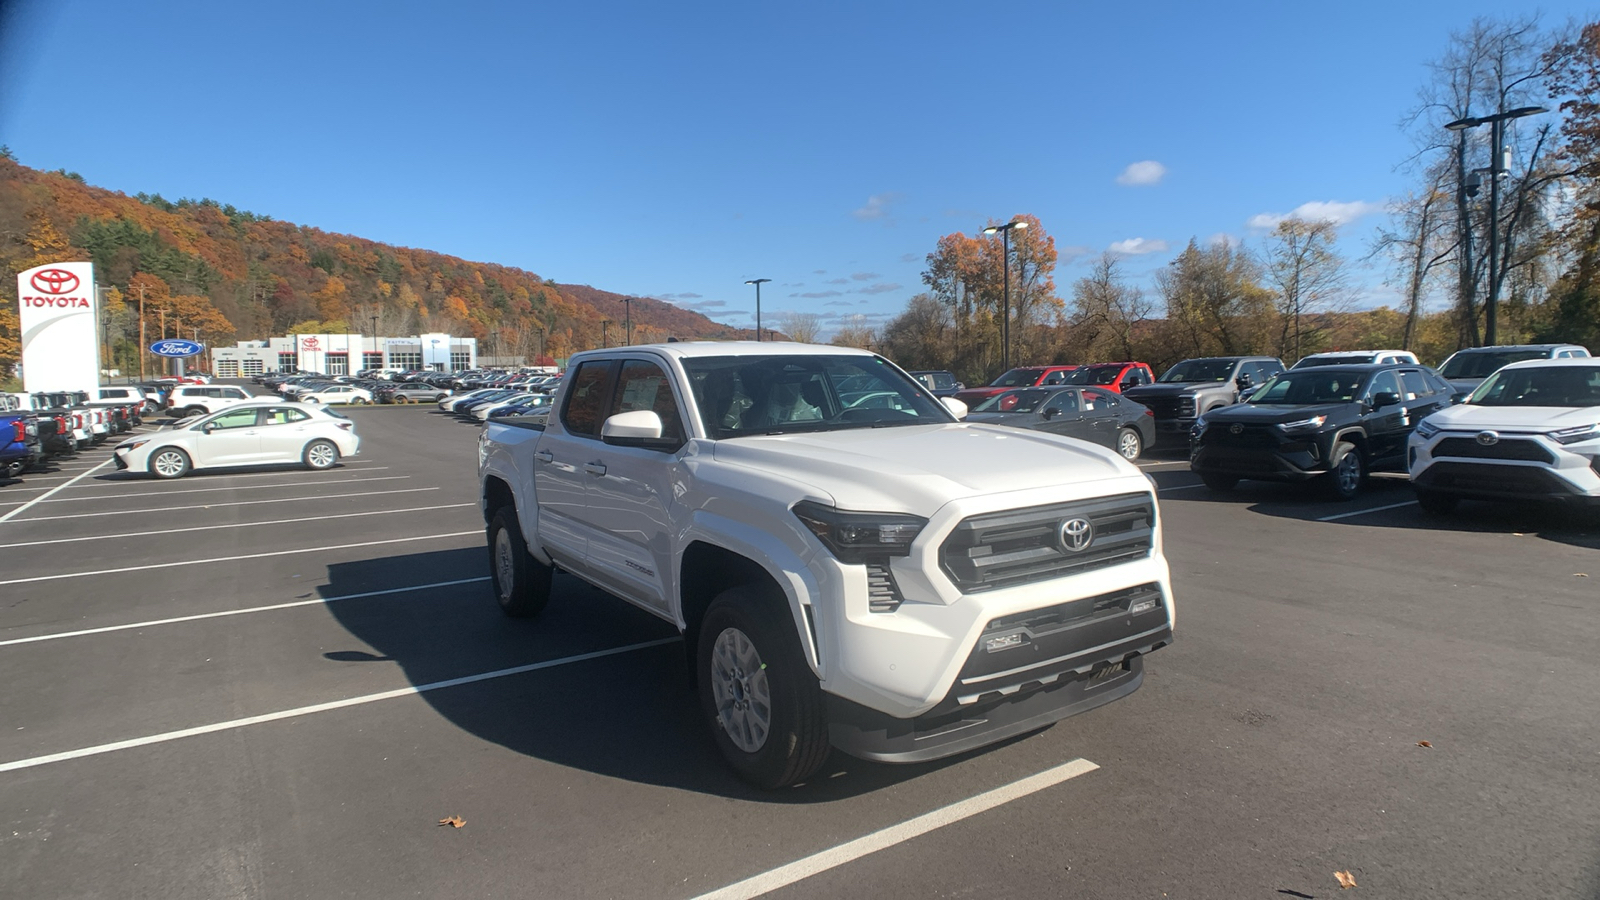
(1576, 435)
(857, 537)
(1199, 427)
(1302, 424)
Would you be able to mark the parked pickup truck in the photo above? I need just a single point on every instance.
(847, 561)
(1194, 387)
(20, 446)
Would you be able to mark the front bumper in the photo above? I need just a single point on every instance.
(1551, 471)
(1021, 676)
(1261, 456)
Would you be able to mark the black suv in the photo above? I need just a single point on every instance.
(1330, 422)
(1194, 387)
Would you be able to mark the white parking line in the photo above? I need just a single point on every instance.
(157, 509)
(129, 534)
(248, 487)
(10, 515)
(164, 737)
(238, 612)
(1362, 512)
(222, 559)
(801, 869)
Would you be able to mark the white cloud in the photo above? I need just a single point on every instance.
(1138, 246)
(877, 206)
(1145, 172)
(1337, 212)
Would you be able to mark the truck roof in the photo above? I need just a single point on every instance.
(692, 349)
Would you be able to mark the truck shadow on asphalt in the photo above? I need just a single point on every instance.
(128, 475)
(631, 716)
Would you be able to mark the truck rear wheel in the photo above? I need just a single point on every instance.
(521, 583)
(759, 696)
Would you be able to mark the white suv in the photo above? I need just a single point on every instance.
(1348, 357)
(1531, 431)
(192, 399)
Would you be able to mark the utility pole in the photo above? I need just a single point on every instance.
(758, 282)
(605, 342)
(142, 342)
(627, 328)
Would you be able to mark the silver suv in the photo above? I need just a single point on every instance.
(1466, 369)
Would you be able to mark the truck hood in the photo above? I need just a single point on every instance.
(1514, 418)
(920, 468)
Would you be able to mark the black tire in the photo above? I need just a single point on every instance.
(1435, 503)
(521, 583)
(16, 467)
(170, 462)
(320, 454)
(1219, 482)
(1130, 444)
(795, 743)
(192, 411)
(1348, 474)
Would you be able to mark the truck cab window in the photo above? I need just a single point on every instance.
(585, 407)
(643, 385)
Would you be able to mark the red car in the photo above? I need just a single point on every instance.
(1020, 377)
(1113, 376)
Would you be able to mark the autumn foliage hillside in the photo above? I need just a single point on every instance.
(233, 275)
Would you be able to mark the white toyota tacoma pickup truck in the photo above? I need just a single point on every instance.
(849, 563)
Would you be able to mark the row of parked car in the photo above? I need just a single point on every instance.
(1509, 423)
(38, 427)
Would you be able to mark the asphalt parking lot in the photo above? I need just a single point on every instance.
(276, 683)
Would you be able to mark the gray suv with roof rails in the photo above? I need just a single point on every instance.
(1466, 369)
(1194, 387)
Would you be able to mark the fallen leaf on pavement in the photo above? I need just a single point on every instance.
(453, 821)
(1580, 574)
(1424, 743)
(1346, 880)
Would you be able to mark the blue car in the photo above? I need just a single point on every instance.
(20, 448)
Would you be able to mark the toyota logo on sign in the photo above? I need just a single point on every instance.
(54, 281)
(310, 343)
(1076, 535)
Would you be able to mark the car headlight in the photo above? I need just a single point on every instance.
(1303, 424)
(857, 537)
(1576, 435)
(1199, 426)
(1426, 429)
(133, 445)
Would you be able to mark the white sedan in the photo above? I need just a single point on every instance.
(251, 434)
(337, 394)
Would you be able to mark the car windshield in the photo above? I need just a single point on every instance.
(1019, 401)
(746, 395)
(1302, 386)
(1016, 378)
(1574, 386)
(1094, 375)
(1194, 370)
(1482, 365)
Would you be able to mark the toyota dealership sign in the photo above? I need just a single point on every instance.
(60, 345)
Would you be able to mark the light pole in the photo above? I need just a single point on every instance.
(605, 342)
(375, 342)
(1497, 167)
(627, 321)
(758, 282)
(1005, 303)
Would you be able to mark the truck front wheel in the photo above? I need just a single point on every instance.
(762, 701)
(521, 583)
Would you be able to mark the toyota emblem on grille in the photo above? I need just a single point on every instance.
(1076, 535)
(1488, 438)
(1236, 428)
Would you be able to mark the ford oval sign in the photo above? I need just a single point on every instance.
(176, 348)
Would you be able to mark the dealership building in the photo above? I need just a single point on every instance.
(344, 354)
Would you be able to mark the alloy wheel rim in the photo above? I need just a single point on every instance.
(321, 456)
(1129, 444)
(169, 463)
(1349, 472)
(740, 690)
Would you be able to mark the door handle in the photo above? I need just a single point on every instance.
(595, 468)
(544, 456)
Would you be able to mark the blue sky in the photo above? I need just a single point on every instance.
(676, 150)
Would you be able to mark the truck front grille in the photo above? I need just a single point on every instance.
(1170, 407)
(1022, 546)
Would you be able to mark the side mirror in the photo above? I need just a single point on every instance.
(639, 428)
(1385, 398)
(1244, 380)
(1052, 412)
(956, 407)
(209, 427)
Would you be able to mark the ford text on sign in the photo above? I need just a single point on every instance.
(176, 348)
(60, 347)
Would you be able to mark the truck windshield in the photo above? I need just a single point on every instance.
(1484, 364)
(1094, 375)
(1575, 386)
(746, 395)
(1193, 370)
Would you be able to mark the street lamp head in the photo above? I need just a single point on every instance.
(1521, 111)
(991, 229)
(758, 281)
(1463, 124)
(1018, 224)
